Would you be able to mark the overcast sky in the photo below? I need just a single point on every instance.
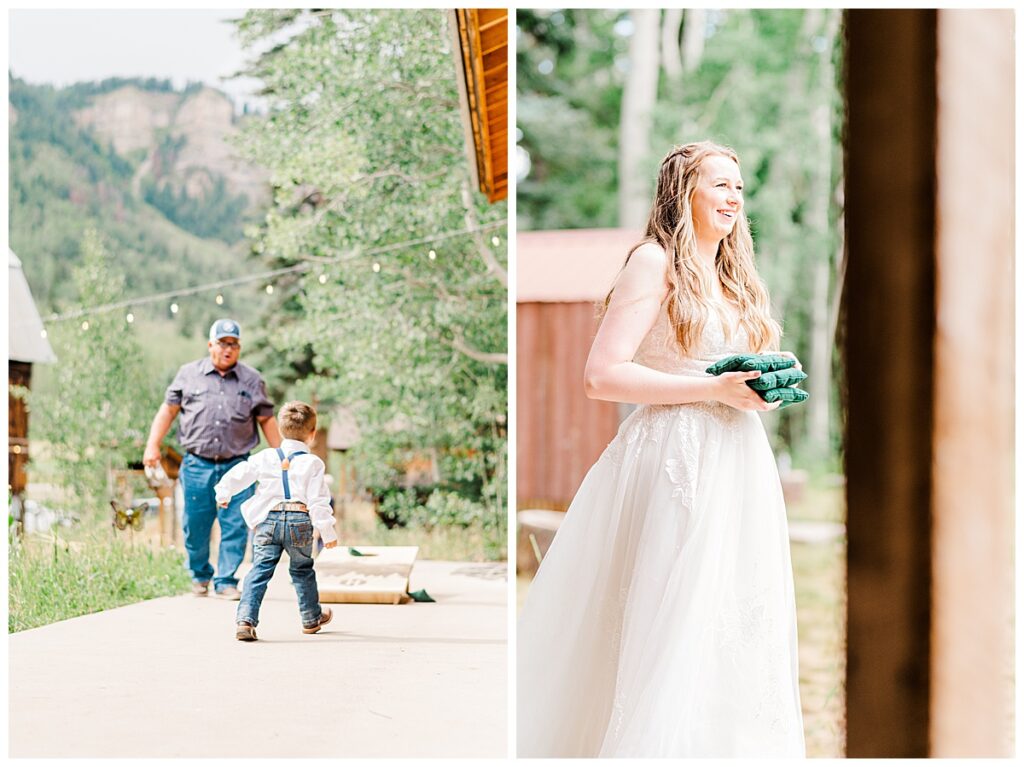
(66, 46)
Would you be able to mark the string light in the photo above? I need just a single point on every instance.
(432, 255)
(130, 318)
(376, 267)
(43, 332)
(249, 278)
(322, 279)
(219, 299)
(270, 290)
(495, 241)
(85, 325)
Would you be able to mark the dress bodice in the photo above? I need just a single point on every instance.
(660, 349)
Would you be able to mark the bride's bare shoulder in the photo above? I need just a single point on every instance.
(649, 256)
(644, 272)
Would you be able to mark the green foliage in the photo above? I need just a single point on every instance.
(569, 117)
(96, 413)
(80, 94)
(429, 507)
(366, 152)
(50, 583)
(215, 215)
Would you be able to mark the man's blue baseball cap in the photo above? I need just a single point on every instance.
(224, 328)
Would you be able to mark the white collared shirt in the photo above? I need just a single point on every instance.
(305, 481)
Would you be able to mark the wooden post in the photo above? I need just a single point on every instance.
(929, 362)
(166, 520)
(972, 486)
(889, 305)
(18, 374)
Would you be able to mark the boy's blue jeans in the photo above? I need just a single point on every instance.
(281, 531)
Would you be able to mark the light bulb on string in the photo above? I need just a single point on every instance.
(432, 255)
(43, 332)
(174, 308)
(270, 290)
(495, 241)
(219, 299)
(85, 325)
(322, 279)
(130, 318)
(376, 267)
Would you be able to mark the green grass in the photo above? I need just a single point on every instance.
(55, 580)
(819, 575)
(822, 500)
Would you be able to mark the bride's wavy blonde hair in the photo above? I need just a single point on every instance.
(670, 225)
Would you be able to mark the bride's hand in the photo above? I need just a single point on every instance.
(732, 390)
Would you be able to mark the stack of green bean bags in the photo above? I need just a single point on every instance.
(778, 376)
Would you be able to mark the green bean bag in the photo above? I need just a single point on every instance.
(765, 363)
(787, 395)
(776, 379)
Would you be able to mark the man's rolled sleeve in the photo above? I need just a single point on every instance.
(262, 406)
(175, 392)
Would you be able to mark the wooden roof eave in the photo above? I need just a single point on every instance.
(483, 93)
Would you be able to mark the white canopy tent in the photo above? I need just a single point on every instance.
(25, 339)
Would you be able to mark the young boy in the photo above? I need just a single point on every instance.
(291, 499)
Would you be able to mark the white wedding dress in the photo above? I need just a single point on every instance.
(662, 621)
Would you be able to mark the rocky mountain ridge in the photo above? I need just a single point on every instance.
(185, 138)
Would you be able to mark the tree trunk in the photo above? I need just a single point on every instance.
(819, 384)
(670, 53)
(635, 126)
(839, 197)
(693, 38)
(494, 268)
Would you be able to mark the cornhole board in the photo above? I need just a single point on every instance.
(381, 576)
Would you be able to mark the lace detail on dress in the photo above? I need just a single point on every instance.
(660, 349)
(648, 422)
(747, 631)
(745, 624)
(683, 472)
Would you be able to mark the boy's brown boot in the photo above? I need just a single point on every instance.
(245, 632)
(325, 617)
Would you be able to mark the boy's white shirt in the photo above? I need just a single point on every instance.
(305, 481)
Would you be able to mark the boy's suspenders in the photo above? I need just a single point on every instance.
(286, 461)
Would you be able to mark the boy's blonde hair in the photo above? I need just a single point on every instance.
(297, 420)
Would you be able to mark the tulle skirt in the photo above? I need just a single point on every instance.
(662, 621)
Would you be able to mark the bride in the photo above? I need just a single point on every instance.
(662, 621)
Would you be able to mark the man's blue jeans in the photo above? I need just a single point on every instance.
(281, 531)
(198, 477)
